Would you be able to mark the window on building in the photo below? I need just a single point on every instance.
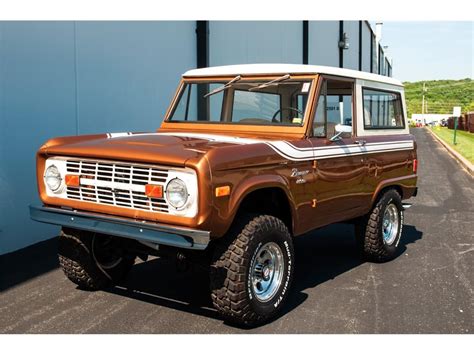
(382, 109)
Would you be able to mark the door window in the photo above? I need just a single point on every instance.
(335, 106)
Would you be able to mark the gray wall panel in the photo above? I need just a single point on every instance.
(323, 43)
(351, 55)
(366, 38)
(241, 42)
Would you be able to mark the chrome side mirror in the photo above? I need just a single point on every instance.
(340, 129)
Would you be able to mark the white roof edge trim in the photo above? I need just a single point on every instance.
(269, 69)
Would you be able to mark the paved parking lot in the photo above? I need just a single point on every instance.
(427, 289)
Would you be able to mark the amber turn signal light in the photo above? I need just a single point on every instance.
(155, 191)
(223, 191)
(72, 180)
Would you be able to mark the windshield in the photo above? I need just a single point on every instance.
(259, 102)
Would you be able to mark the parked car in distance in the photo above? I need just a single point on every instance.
(248, 158)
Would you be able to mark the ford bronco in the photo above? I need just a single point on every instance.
(247, 158)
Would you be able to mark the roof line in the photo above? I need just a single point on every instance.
(276, 68)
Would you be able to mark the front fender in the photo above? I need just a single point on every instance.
(227, 207)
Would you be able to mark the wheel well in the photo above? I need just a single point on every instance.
(390, 187)
(272, 201)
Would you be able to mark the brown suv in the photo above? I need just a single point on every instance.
(247, 158)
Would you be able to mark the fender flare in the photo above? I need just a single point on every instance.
(259, 182)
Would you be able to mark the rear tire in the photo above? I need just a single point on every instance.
(378, 233)
(252, 270)
(92, 261)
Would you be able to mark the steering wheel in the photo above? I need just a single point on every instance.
(285, 108)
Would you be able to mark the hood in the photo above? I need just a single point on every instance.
(165, 148)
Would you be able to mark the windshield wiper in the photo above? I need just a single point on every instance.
(272, 82)
(223, 87)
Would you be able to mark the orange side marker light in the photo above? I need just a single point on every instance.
(155, 191)
(223, 191)
(72, 180)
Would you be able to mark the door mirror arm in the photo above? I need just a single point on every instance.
(340, 129)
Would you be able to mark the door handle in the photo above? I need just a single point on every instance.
(361, 142)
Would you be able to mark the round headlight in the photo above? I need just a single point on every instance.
(177, 193)
(52, 178)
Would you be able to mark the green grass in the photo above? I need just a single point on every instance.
(464, 140)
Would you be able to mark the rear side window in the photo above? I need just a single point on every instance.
(382, 109)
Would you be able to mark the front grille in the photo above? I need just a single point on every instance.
(116, 183)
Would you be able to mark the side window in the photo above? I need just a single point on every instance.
(382, 109)
(335, 106)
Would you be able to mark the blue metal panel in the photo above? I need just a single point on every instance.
(351, 55)
(323, 43)
(37, 103)
(366, 38)
(64, 78)
(128, 71)
(241, 42)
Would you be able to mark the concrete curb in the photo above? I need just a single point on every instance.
(466, 164)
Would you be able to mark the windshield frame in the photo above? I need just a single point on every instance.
(289, 129)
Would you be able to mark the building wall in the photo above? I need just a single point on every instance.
(366, 54)
(323, 43)
(68, 78)
(351, 55)
(242, 42)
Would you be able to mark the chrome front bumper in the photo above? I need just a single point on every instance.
(145, 231)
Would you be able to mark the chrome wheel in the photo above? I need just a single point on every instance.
(266, 271)
(390, 224)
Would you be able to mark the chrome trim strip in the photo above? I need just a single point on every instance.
(123, 227)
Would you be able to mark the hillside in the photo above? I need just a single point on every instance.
(441, 95)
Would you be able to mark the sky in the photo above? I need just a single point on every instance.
(430, 50)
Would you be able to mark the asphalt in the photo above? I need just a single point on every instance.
(428, 288)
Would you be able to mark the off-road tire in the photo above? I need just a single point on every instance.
(368, 230)
(78, 263)
(231, 289)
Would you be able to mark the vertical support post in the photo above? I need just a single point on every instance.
(341, 50)
(360, 45)
(305, 42)
(202, 61)
(371, 52)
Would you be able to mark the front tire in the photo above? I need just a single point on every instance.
(92, 261)
(252, 270)
(378, 233)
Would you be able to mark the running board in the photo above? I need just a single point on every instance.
(406, 205)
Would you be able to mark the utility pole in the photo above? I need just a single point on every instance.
(423, 105)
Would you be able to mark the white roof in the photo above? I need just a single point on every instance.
(253, 69)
